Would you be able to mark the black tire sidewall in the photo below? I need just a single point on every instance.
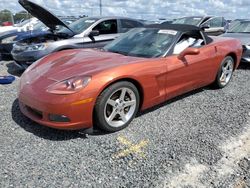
(99, 119)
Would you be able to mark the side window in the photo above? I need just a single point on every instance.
(215, 22)
(186, 41)
(126, 25)
(107, 27)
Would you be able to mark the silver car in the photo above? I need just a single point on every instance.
(241, 31)
(88, 32)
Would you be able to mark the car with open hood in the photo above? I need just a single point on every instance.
(9, 38)
(88, 32)
(241, 31)
(213, 25)
(82, 88)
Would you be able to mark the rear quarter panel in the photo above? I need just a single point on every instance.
(228, 46)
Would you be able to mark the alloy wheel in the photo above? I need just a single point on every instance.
(120, 107)
(226, 72)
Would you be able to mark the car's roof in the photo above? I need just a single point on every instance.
(176, 27)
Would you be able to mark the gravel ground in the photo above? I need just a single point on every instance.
(201, 139)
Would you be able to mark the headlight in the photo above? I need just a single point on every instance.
(8, 40)
(36, 47)
(69, 86)
(247, 47)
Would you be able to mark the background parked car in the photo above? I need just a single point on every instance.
(88, 32)
(9, 38)
(214, 25)
(235, 23)
(241, 31)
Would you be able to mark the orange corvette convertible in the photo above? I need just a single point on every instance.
(80, 88)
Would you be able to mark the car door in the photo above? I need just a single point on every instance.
(190, 73)
(108, 31)
(216, 26)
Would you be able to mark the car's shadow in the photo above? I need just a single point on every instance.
(46, 132)
(244, 66)
(13, 69)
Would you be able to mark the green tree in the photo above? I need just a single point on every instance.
(6, 16)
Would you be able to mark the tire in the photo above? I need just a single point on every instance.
(117, 106)
(225, 72)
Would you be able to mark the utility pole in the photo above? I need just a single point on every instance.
(100, 4)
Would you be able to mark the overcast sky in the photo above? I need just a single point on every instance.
(144, 9)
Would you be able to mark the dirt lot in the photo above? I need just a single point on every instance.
(201, 139)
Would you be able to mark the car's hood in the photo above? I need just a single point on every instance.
(30, 34)
(243, 37)
(66, 64)
(49, 19)
(8, 34)
(22, 34)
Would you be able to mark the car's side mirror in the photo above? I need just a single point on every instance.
(188, 51)
(93, 34)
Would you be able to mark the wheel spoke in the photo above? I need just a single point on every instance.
(227, 66)
(223, 77)
(228, 72)
(112, 116)
(123, 116)
(123, 93)
(129, 103)
(111, 102)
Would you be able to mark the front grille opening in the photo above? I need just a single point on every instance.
(58, 118)
(35, 112)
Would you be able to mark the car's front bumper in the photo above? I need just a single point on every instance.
(24, 59)
(72, 114)
(5, 49)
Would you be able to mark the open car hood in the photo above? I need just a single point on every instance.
(49, 19)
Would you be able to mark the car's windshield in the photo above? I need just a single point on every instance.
(143, 42)
(188, 20)
(242, 27)
(80, 25)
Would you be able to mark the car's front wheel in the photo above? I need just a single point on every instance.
(116, 106)
(225, 72)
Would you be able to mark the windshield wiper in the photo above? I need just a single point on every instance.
(118, 52)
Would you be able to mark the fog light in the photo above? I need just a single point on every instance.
(58, 118)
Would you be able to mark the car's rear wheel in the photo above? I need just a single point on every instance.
(225, 72)
(117, 106)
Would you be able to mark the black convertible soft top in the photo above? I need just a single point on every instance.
(183, 28)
